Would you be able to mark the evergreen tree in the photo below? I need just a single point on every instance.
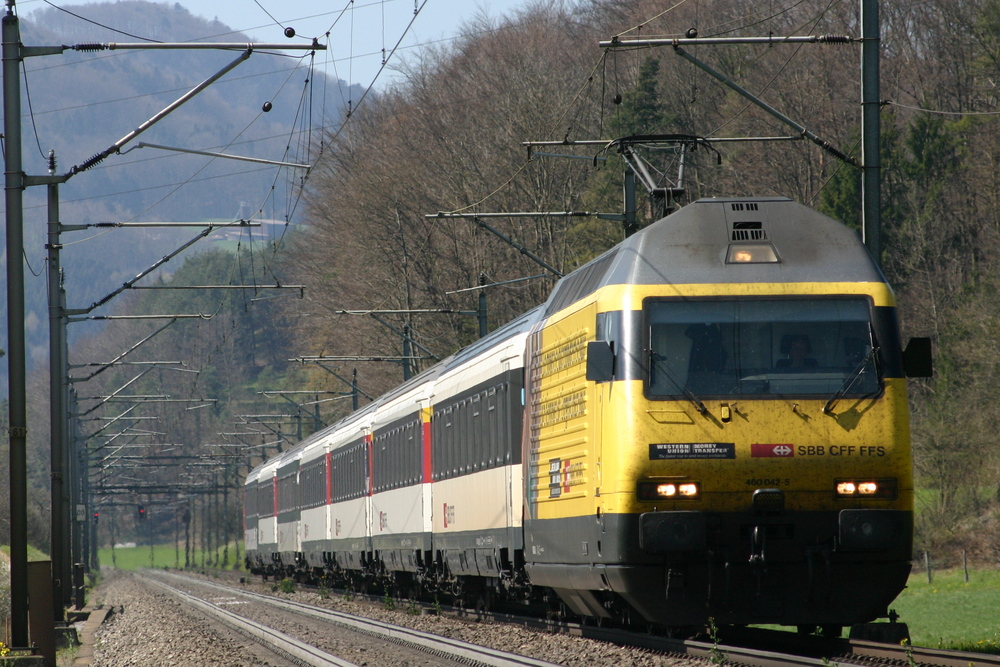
(642, 111)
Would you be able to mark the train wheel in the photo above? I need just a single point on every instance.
(484, 602)
(830, 630)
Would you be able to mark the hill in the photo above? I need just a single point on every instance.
(81, 102)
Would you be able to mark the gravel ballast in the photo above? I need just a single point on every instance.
(150, 628)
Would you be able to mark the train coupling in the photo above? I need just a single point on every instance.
(758, 545)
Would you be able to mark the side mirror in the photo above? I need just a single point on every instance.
(917, 359)
(600, 361)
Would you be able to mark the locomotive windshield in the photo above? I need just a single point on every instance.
(759, 347)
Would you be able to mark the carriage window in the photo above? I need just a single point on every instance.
(761, 347)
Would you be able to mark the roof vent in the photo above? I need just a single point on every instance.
(747, 230)
(744, 206)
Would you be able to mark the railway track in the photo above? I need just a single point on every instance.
(856, 651)
(766, 648)
(921, 655)
(277, 642)
(754, 647)
(446, 650)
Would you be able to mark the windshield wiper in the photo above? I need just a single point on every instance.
(850, 380)
(660, 366)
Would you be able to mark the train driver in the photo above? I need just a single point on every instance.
(797, 349)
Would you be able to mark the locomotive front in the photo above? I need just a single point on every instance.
(732, 439)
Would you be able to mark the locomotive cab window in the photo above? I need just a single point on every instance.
(761, 347)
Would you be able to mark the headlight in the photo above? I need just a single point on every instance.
(866, 488)
(664, 490)
(751, 253)
(846, 488)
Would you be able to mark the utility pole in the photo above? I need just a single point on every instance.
(58, 397)
(406, 352)
(15, 180)
(481, 311)
(18, 429)
(630, 223)
(355, 390)
(871, 165)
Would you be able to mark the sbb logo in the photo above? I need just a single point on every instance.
(771, 451)
(449, 515)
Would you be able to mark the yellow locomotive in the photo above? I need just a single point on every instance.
(707, 421)
(716, 425)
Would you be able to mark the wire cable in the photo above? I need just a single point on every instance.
(943, 113)
(269, 15)
(101, 25)
(27, 263)
(781, 69)
(31, 112)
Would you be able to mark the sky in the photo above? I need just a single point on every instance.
(360, 29)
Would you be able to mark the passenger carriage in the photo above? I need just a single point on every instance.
(475, 435)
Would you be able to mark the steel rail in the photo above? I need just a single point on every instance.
(270, 638)
(443, 646)
(853, 650)
(922, 655)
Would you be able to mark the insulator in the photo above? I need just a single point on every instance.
(95, 160)
(90, 47)
(835, 39)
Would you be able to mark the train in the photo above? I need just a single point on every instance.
(707, 423)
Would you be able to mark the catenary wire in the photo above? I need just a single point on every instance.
(940, 112)
(82, 18)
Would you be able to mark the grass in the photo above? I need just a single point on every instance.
(163, 555)
(950, 613)
(33, 553)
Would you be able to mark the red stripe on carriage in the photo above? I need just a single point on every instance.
(427, 452)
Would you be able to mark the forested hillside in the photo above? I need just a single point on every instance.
(449, 138)
(80, 102)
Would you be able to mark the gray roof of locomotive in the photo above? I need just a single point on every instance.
(691, 245)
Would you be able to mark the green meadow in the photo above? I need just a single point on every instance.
(33, 553)
(950, 613)
(164, 555)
